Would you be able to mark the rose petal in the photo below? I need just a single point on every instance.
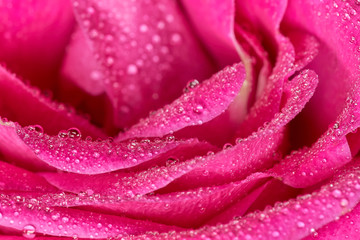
(60, 221)
(186, 209)
(241, 160)
(139, 53)
(33, 36)
(306, 167)
(80, 64)
(200, 104)
(269, 102)
(346, 227)
(294, 219)
(17, 179)
(265, 17)
(70, 153)
(338, 59)
(38, 109)
(133, 182)
(215, 18)
(16, 151)
(238, 208)
(257, 151)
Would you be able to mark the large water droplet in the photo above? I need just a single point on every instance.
(199, 109)
(74, 133)
(29, 231)
(176, 38)
(132, 69)
(190, 85)
(336, 193)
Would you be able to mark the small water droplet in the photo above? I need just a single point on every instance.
(171, 161)
(227, 146)
(132, 69)
(65, 219)
(199, 109)
(301, 224)
(344, 202)
(63, 134)
(275, 234)
(191, 85)
(74, 133)
(109, 61)
(29, 231)
(176, 38)
(336, 193)
(95, 75)
(143, 28)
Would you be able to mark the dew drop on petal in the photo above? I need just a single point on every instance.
(336, 193)
(344, 202)
(300, 224)
(63, 134)
(29, 231)
(74, 133)
(132, 69)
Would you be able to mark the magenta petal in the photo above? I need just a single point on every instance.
(80, 65)
(337, 62)
(201, 103)
(346, 227)
(306, 47)
(21, 213)
(33, 36)
(214, 22)
(294, 219)
(69, 153)
(38, 109)
(134, 182)
(144, 53)
(306, 167)
(239, 208)
(17, 179)
(16, 151)
(257, 151)
(186, 209)
(269, 101)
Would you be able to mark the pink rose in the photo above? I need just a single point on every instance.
(188, 119)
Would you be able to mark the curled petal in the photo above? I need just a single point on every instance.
(143, 49)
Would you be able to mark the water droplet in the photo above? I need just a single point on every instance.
(74, 133)
(109, 61)
(95, 75)
(63, 134)
(38, 128)
(171, 161)
(29, 231)
(190, 85)
(176, 38)
(300, 224)
(344, 202)
(89, 192)
(65, 219)
(132, 69)
(156, 38)
(227, 146)
(336, 193)
(199, 109)
(275, 234)
(143, 28)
